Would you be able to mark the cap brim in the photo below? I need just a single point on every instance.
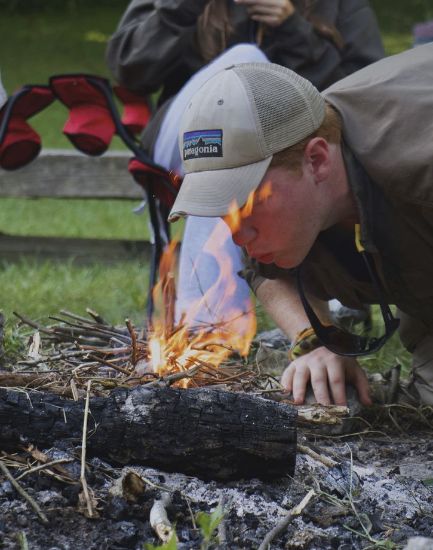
(212, 193)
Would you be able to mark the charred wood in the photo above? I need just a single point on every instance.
(206, 433)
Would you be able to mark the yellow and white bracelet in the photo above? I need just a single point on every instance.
(304, 342)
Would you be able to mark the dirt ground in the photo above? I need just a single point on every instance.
(372, 488)
(378, 494)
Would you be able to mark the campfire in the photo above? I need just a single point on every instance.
(188, 344)
(184, 352)
(179, 348)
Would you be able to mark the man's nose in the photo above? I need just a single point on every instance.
(244, 235)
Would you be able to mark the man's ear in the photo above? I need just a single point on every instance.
(317, 158)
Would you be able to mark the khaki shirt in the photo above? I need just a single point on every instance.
(387, 113)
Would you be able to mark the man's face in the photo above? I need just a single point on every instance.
(284, 220)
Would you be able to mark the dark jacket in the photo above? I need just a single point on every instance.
(155, 43)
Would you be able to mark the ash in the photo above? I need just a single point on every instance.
(378, 495)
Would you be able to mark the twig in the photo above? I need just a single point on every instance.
(51, 358)
(67, 313)
(159, 520)
(322, 414)
(282, 525)
(23, 493)
(133, 341)
(191, 515)
(169, 300)
(222, 526)
(83, 480)
(32, 324)
(95, 315)
(107, 351)
(99, 320)
(108, 364)
(43, 467)
(316, 456)
(175, 377)
(22, 540)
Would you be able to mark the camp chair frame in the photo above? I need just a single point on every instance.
(158, 212)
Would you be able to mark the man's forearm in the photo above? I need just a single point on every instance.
(280, 299)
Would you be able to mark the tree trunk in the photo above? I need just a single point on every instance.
(207, 433)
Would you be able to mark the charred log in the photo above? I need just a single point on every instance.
(207, 433)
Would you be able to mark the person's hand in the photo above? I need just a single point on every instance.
(269, 12)
(328, 374)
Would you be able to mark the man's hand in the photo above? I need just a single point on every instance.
(269, 12)
(328, 374)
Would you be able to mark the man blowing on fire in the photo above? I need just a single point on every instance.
(334, 195)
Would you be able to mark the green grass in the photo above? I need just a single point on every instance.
(39, 289)
(108, 219)
(396, 20)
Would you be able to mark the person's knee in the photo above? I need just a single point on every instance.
(244, 53)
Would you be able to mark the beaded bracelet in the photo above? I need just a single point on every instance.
(304, 342)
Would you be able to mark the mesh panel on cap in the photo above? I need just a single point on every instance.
(288, 108)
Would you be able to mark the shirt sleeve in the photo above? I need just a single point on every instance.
(148, 48)
(255, 273)
(300, 45)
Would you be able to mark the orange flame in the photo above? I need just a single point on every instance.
(174, 348)
(236, 215)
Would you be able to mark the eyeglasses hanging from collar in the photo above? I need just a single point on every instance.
(338, 340)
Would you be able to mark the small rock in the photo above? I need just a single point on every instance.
(274, 338)
(419, 543)
(124, 532)
(6, 488)
(22, 521)
(50, 497)
(117, 508)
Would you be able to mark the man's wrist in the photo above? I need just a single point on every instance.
(304, 342)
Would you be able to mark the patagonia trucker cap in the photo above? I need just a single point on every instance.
(231, 128)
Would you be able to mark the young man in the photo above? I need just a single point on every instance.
(321, 166)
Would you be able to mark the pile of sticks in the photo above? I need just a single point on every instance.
(63, 356)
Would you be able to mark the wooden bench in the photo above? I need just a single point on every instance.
(68, 174)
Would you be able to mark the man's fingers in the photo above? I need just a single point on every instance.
(319, 382)
(301, 378)
(338, 386)
(361, 383)
(328, 374)
(287, 378)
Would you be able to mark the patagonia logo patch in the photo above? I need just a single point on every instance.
(202, 144)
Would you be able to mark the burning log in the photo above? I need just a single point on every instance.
(207, 433)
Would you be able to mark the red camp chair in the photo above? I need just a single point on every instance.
(136, 110)
(92, 122)
(19, 142)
